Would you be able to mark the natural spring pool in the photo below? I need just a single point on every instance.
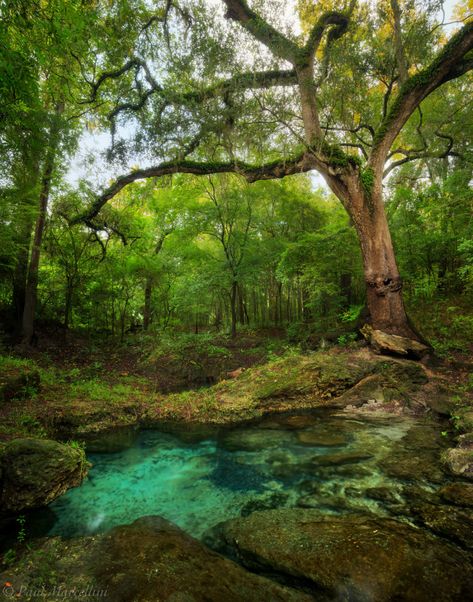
(337, 464)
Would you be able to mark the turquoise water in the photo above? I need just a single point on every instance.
(310, 461)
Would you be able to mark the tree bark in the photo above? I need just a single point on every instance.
(233, 308)
(382, 278)
(147, 306)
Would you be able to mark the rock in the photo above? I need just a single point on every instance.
(382, 342)
(112, 441)
(460, 461)
(276, 500)
(454, 523)
(382, 494)
(150, 560)
(36, 471)
(254, 439)
(465, 441)
(340, 459)
(464, 419)
(460, 494)
(440, 398)
(370, 387)
(321, 439)
(350, 558)
(19, 385)
(325, 502)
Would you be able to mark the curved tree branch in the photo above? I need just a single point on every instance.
(279, 44)
(268, 171)
(452, 61)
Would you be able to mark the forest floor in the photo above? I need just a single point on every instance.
(77, 388)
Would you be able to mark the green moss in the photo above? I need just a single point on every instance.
(367, 178)
(336, 157)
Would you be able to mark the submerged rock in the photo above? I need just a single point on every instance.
(382, 494)
(321, 438)
(253, 439)
(150, 560)
(350, 558)
(416, 457)
(460, 494)
(275, 500)
(341, 458)
(36, 471)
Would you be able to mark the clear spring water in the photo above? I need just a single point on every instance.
(308, 460)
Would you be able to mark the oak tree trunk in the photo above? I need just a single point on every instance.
(382, 278)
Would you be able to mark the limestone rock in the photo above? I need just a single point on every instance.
(150, 560)
(382, 342)
(36, 471)
(460, 461)
(350, 558)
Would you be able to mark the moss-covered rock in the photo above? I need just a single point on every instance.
(36, 471)
(454, 523)
(150, 560)
(349, 558)
(463, 419)
(332, 379)
(459, 461)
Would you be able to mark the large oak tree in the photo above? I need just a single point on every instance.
(211, 92)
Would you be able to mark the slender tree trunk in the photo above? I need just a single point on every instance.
(20, 274)
(147, 313)
(26, 182)
(68, 303)
(31, 291)
(233, 308)
(147, 306)
(346, 290)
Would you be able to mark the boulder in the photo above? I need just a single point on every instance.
(355, 558)
(150, 560)
(36, 471)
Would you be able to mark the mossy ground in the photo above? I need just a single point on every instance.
(79, 395)
(71, 404)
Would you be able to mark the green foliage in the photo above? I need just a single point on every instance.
(346, 339)
(10, 556)
(186, 347)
